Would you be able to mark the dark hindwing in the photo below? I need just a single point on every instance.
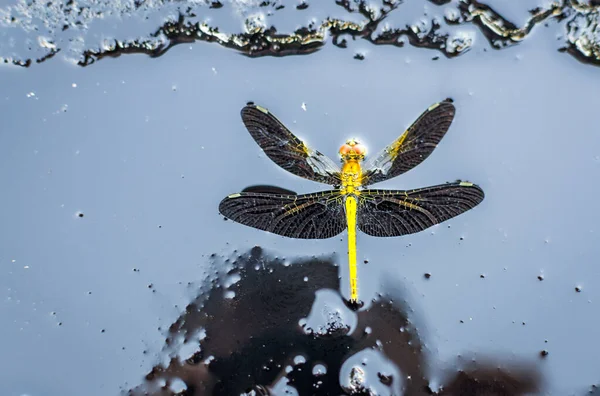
(387, 213)
(413, 146)
(286, 150)
(309, 216)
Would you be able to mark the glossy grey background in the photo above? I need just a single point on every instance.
(146, 149)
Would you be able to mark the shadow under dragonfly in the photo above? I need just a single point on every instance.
(261, 325)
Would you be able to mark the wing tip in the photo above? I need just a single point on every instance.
(252, 105)
(447, 103)
(465, 183)
(223, 207)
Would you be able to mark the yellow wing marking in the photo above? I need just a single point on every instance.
(296, 208)
(292, 208)
(234, 195)
(433, 106)
(393, 151)
(261, 109)
(414, 207)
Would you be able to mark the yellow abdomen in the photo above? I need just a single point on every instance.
(351, 181)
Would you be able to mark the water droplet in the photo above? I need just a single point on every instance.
(386, 379)
(319, 369)
(299, 359)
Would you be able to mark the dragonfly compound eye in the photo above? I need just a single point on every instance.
(345, 150)
(359, 150)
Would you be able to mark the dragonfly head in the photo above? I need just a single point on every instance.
(353, 150)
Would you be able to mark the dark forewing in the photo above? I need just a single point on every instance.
(310, 216)
(413, 146)
(286, 150)
(387, 213)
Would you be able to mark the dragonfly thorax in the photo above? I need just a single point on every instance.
(351, 176)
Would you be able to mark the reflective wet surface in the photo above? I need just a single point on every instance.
(268, 325)
(117, 273)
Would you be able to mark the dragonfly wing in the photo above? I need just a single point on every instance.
(387, 213)
(413, 146)
(309, 216)
(286, 150)
(263, 188)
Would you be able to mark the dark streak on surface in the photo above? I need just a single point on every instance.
(580, 38)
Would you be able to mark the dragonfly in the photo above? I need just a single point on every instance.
(349, 205)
